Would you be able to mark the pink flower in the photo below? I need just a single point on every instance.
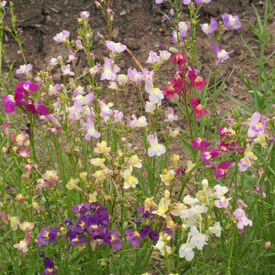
(199, 82)
(109, 70)
(84, 14)
(90, 128)
(115, 47)
(198, 143)
(23, 245)
(66, 70)
(257, 125)
(243, 221)
(223, 202)
(244, 163)
(9, 103)
(61, 37)
(23, 69)
(209, 28)
(221, 169)
(179, 58)
(197, 108)
(134, 75)
(169, 113)
(153, 58)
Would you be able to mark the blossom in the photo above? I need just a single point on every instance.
(90, 128)
(222, 55)
(66, 70)
(198, 109)
(198, 239)
(167, 176)
(134, 75)
(49, 267)
(222, 169)
(155, 148)
(135, 236)
(23, 245)
(129, 180)
(220, 190)
(46, 235)
(53, 89)
(190, 200)
(210, 154)
(115, 241)
(84, 14)
(115, 47)
(155, 94)
(231, 21)
(137, 122)
(162, 207)
(14, 222)
(102, 148)
(202, 1)
(198, 143)
(72, 184)
(26, 226)
(134, 161)
(209, 28)
(23, 69)
(199, 82)
(153, 58)
(223, 202)
(169, 113)
(109, 70)
(9, 103)
(244, 163)
(179, 58)
(186, 251)
(257, 125)
(216, 229)
(62, 36)
(243, 221)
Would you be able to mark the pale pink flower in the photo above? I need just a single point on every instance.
(24, 69)
(62, 36)
(115, 47)
(155, 148)
(243, 221)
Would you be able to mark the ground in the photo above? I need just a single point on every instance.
(138, 24)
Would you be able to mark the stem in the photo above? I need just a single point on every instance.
(188, 116)
(228, 269)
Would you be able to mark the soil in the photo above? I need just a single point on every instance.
(138, 24)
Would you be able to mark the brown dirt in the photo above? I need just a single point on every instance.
(138, 25)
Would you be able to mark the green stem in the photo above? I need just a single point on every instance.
(228, 269)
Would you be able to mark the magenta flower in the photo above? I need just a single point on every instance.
(115, 47)
(231, 22)
(9, 103)
(23, 69)
(210, 154)
(198, 143)
(197, 108)
(243, 221)
(179, 58)
(199, 82)
(202, 1)
(222, 169)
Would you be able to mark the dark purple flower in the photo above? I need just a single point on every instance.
(116, 242)
(49, 267)
(179, 170)
(41, 254)
(75, 239)
(146, 212)
(154, 236)
(68, 221)
(137, 221)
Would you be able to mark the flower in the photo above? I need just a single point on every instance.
(222, 55)
(61, 37)
(198, 239)
(101, 148)
(210, 154)
(167, 176)
(23, 245)
(243, 221)
(26, 226)
(221, 170)
(209, 28)
(24, 69)
(163, 207)
(135, 236)
(197, 108)
(179, 58)
(257, 125)
(115, 47)
(109, 70)
(169, 114)
(84, 14)
(216, 229)
(198, 143)
(231, 22)
(129, 180)
(49, 267)
(66, 70)
(155, 148)
(186, 251)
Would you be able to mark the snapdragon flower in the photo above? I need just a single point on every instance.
(24, 69)
(62, 36)
(209, 28)
(155, 148)
(231, 22)
(115, 47)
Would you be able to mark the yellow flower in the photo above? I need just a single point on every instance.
(162, 208)
(129, 180)
(26, 226)
(101, 148)
(134, 161)
(261, 139)
(14, 222)
(72, 184)
(175, 159)
(100, 175)
(98, 162)
(92, 197)
(167, 176)
(83, 176)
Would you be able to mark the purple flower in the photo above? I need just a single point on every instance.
(49, 267)
(81, 208)
(84, 14)
(202, 1)
(222, 55)
(74, 238)
(135, 236)
(68, 221)
(134, 75)
(222, 169)
(231, 21)
(243, 221)
(115, 241)
(154, 236)
(46, 235)
(209, 28)
(146, 212)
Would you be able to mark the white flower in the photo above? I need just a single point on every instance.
(216, 229)
(150, 107)
(155, 148)
(220, 190)
(186, 251)
(190, 201)
(198, 239)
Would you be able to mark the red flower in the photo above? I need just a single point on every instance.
(179, 58)
(199, 82)
(197, 108)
